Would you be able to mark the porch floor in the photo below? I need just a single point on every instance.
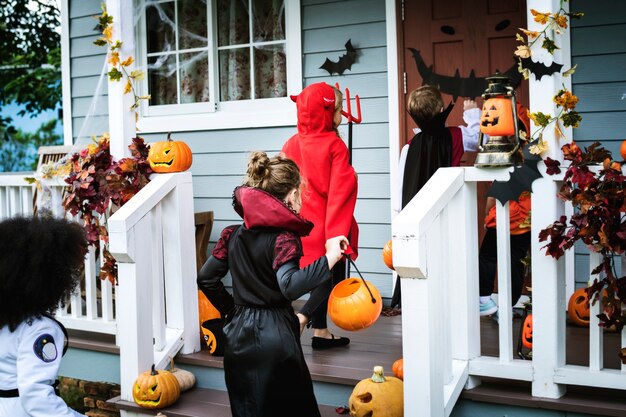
(382, 345)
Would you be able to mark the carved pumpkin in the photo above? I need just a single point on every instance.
(497, 117)
(185, 378)
(388, 255)
(398, 369)
(578, 307)
(213, 333)
(527, 332)
(169, 156)
(156, 389)
(377, 396)
(350, 304)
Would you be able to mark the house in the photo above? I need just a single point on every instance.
(206, 89)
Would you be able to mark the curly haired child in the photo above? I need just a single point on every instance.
(264, 367)
(40, 264)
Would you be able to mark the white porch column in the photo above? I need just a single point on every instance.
(121, 119)
(548, 275)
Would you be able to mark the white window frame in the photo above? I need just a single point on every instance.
(217, 115)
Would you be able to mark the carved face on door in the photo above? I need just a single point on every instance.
(497, 117)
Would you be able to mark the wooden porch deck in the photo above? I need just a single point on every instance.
(382, 345)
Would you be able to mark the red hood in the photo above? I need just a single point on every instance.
(316, 107)
(258, 208)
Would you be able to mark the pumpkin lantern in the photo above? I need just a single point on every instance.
(499, 121)
(527, 332)
(354, 304)
(578, 307)
(169, 156)
(388, 255)
(156, 389)
(377, 396)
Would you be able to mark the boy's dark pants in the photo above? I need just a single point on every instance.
(488, 263)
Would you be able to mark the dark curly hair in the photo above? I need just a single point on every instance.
(41, 261)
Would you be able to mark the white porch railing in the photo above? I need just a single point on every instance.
(91, 307)
(152, 239)
(435, 252)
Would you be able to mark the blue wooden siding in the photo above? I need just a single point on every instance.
(599, 50)
(220, 155)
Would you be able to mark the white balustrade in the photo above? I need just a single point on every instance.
(152, 239)
(435, 253)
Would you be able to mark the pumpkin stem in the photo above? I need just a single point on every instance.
(153, 371)
(379, 374)
(171, 363)
(169, 136)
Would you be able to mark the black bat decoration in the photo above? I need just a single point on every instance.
(521, 179)
(456, 85)
(345, 61)
(540, 69)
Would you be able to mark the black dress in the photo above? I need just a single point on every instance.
(264, 367)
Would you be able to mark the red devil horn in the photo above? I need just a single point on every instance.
(294, 98)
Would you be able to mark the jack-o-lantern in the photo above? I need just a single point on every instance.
(156, 389)
(378, 396)
(354, 304)
(497, 117)
(213, 333)
(578, 307)
(527, 332)
(169, 156)
(388, 255)
(398, 369)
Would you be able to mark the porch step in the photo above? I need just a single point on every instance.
(587, 400)
(200, 402)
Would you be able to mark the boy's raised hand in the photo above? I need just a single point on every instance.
(335, 246)
(469, 104)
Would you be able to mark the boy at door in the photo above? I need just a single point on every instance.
(434, 145)
(330, 189)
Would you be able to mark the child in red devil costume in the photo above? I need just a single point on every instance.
(330, 189)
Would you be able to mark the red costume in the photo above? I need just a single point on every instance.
(330, 183)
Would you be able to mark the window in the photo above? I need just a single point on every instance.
(237, 59)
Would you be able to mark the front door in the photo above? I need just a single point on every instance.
(455, 44)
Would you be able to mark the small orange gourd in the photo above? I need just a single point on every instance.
(352, 307)
(622, 150)
(527, 332)
(578, 307)
(377, 396)
(169, 156)
(156, 389)
(388, 255)
(497, 117)
(398, 369)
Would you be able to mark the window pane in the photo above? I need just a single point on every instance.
(268, 17)
(161, 27)
(233, 26)
(194, 77)
(162, 79)
(270, 71)
(192, 24)
(234, 74)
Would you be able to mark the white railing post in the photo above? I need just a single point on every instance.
(180, 262)
(596, 333)
(505, 312)
(548, 284)
(134, 302)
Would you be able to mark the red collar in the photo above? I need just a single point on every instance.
(259, 208)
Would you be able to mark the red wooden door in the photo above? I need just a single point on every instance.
(463, 39)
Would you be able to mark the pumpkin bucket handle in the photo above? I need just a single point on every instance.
(362, 279)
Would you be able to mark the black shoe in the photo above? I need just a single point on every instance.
(323, 343)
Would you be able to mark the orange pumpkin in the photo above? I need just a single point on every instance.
(156, 389)
(379, 395)
(622, 150)
(578, 307)
(497, 117)
(350, 305)
(169, 156)
(388, 255)
(527, 332)
(206, 310)
(398, 369)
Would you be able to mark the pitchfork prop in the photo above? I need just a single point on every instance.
(351, 119)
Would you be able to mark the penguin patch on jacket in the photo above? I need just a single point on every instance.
(45, 349)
